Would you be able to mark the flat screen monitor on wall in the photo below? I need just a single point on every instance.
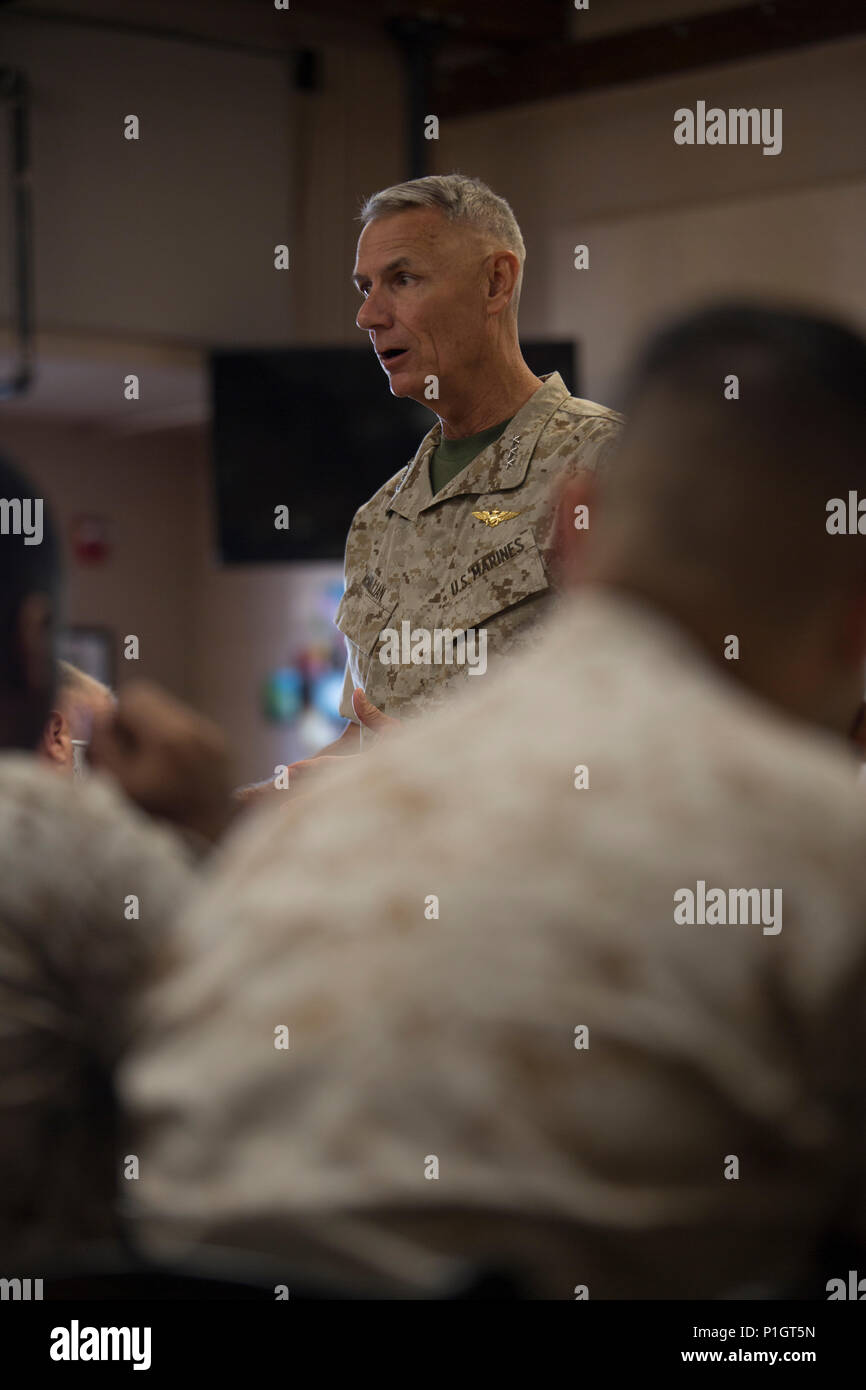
(315, 430)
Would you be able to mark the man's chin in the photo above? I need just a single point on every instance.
(407, 386)
(401, 385)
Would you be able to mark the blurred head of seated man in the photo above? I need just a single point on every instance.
(88, 889)
(79, 701)
(585, 1000)
(724, 511)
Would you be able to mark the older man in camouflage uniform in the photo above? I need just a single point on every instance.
(460, 538)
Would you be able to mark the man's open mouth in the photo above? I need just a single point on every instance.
(392, 353)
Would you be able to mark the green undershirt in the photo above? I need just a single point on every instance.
(453, 455)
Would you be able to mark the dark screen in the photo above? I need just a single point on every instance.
(318, 431)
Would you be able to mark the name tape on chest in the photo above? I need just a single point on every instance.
(485, 563)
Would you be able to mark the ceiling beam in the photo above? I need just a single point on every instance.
(492, 20)
(239, 23)
(547, 70)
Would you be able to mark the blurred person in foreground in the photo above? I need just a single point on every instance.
(79, 700)
(506, 1036)
(89, 888)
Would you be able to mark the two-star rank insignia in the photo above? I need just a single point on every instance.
(493, 518)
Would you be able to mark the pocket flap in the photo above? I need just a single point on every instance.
(361, 618)
(496, 581)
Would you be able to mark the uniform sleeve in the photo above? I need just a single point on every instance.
(587, 448)
(596, 447)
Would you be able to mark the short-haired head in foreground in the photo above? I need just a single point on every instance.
(716, 509)
(29, 588)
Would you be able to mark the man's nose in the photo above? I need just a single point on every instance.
(372, 313)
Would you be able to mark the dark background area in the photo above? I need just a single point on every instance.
(317, 430)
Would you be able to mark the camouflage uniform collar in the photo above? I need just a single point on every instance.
(502, 465)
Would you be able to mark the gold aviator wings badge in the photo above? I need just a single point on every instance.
(493, 518)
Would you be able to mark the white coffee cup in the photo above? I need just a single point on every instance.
(79, 757)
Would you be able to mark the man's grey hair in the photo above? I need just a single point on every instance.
(461, 199)
(71, 680)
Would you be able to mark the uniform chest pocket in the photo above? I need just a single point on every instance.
(495, 581)
(361, 617)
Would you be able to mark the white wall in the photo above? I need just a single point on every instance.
(171, 236)
(669, 224)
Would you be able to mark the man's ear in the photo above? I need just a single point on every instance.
(574, 514)
(502, 273)
(55, 743)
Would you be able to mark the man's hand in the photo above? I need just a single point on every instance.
(168, 759)
(302, 772)
(252, 793)
(306, 770)
(371, 717)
